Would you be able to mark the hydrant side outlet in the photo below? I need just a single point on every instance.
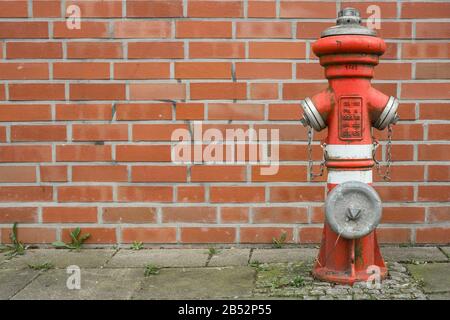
(350, 107)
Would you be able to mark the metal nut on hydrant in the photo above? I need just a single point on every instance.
(350, 107)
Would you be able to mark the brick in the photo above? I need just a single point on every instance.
(393, 235)
(261, 9)
(141, 70)
(46, 9)
(216, 50)
(287, 132)
(89, 29)
(83, 153)
(438, 173)
(393, 71)
(433, 193)
(17, 174)
(264, 234)
(208, 235)
(388, 10)
(407, 111)
(312, 30)
(264, 70)
(432, 70)
(23, 30)
(34, 50)
(190, 194)
(424, 10)
(203, 29)
(144, 194)
(98, 8)
(218, 91)
(395, 193)
(274, 215)
(18, 214)
(310, 235)
(143, 111)
(433, 235)
(303, 9)
(142, 29)
(156, 50)
(402, 132)
(237, 194)
(38, 133)
(100, 132)
(296, 194)
(235, 111)
(149, 235)
(296, 91)
(151, 91)
(439, 132)
(285, 112)
(84, 194)
(202, 70)
(189, 215)
(280, 30)
(98, 173)
(404, 173)
(97, 91)
(97, 235)
(25, 112)
(155, 8)
(98, 111)
(426, 90)
(292, 173)
(434, 111)
(190, 111)
(13, 9)
(24, 153)
(277, 50)
(94, 50)
(402, 152)
(155, 132)
(218, 173)
(157, 153)
(53, 173)
(2, 134)
(428, 50)
(30, 235)
(403, 215)
(432, 30)
(36, 91)
(81, 70)
(26, 194)
(158, 174)
(395, 30)
(129, 215)
(234, 214)
(2, 92)
(263, 91)
(438, 214)
(215, 9)
(69, 215)
(23, 71)
(434, 152)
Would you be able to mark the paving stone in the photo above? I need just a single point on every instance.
(159, 257)
(198, 283)
(12, 281)
(407, 254)
(87, 258)
(439, 296)
(97, 284)
(283, 255)
(230, 257)
(447, 251)
(435, 276)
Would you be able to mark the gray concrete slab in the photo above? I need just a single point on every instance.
(447, 251)
(284, 255)
(439, 296)
(96, 284)
(87, 258)
(408, 254)
(126, 258)
(198, 283)
(230, 257)
(434, 276)
(12, 281)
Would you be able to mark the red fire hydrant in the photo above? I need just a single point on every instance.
(349, 107)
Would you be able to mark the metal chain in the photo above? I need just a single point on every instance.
(313, 175)
(386, 175)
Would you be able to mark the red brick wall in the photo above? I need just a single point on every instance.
(86, 116)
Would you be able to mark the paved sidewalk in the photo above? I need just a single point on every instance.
(414, 273)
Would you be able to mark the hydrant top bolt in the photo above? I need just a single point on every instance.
(348, 22)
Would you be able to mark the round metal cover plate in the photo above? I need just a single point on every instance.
(353, 209)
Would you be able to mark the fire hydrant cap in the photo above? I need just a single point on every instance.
(348, 23)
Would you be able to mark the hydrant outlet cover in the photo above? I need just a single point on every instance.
(353, 209)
